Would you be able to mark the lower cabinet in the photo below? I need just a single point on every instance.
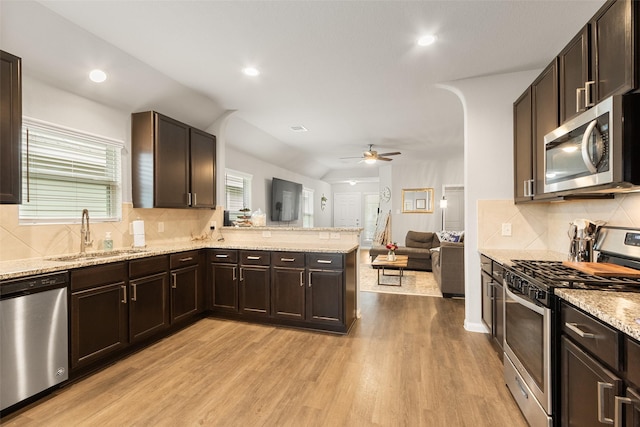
(255, 283)
(186, 293)
(224, 280)
(148, 297)
(288, 296)
(493, 300)
(99, 321)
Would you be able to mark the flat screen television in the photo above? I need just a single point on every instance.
(285, 200)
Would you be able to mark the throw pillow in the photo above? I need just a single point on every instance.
(450, 236)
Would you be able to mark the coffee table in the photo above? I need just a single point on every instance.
(381, 262)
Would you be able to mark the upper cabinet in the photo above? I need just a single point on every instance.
(173, 164)
(575, 75)
(10, 128)
(523, 148)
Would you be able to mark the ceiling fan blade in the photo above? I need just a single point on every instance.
(354, 157)
(384, 159)
(395, 153)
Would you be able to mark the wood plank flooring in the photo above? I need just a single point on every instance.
(407, 362)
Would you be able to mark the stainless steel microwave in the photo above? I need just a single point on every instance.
(599, 150)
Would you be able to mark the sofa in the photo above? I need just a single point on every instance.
(417, 245)
(427, 252)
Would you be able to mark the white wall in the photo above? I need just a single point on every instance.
(488, 163)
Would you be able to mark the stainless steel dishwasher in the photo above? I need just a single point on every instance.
(34, 352)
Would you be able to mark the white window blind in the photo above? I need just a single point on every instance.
(307, 208)
(66, 171)
(237, 192)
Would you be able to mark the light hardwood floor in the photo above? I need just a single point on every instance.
(407, 362)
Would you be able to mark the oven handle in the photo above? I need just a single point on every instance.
(531, 306)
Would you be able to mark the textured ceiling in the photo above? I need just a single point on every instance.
(349, 71)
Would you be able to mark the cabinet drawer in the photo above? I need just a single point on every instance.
(224, 255)
(184, 259)
(633, 361)
(593, 335)
(90, 277)
(498, 271)
(148, 266)
(324, 261)
(485, 264)
(255, 258)
(287, 259)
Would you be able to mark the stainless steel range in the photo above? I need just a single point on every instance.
(531, 363)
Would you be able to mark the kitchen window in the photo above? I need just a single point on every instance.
(65, 171)
(237, 188)
(307, 207)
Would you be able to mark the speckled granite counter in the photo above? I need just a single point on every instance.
(27, 267)
(504, 256)
(621, 310)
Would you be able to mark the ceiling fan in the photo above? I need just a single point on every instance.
(371, 156)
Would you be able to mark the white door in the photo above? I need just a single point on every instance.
(454, 214)
(347, 209)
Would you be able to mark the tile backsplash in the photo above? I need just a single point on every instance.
(545, 225)
(29, 241)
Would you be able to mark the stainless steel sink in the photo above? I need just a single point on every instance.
(96, 255)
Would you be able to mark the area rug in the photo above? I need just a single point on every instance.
(413, 282)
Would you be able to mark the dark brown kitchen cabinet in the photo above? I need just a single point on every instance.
(615, 48)
(574, 75)
(493, 301)
(224, 280)
(544, 92)
(325, 296)
(173, 164)
(523, 148)
(99, 313)
(186, 292)
(148, 297)
(255, 283)
(288, 285)
(10, 128)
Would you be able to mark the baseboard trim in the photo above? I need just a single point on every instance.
(475, 327)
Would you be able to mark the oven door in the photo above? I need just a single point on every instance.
(527, 345)
(578, 154)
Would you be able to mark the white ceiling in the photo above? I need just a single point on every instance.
(349, 71)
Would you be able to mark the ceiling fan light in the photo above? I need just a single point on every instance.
(370, 161)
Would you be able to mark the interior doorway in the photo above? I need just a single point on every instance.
(454, 213)
(371, 207)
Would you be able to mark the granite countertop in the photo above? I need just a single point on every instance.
(620, 310)
(32, 266)
(504, 256)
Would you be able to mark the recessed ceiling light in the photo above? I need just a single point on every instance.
(250, 71)
(97, 76)
(427, 40)
(298, 128)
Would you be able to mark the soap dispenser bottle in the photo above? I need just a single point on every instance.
(108, 242)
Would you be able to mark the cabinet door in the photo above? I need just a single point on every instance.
(522, 147)
(588, 388)
(171, 153)
(487, 301)
(184, 293)
(148, 308)
(98, 323)
(545, 119)
(203, 169)
(288, 293)
(10, 128)
(255, 283)
(613, 43)
(575, 72)
(224, 287)
(632, 411)
(498, 314)
(325, 298)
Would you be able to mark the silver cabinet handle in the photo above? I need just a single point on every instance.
(588, 101)
(309, 279)
(601, 391)
(234, 273)
(189, 258)
(617, 416)
(287, 259)
(579, 92)
(241, 276)
(188, 199)
(574, 327)
(174, 280)
(134, 289)
(195, 202)
(489, 286)
(302, 278)
(254, 258)
(525, 187)
(124, 293)
(222, 256)
(324, 261)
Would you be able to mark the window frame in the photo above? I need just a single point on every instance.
(247, 182)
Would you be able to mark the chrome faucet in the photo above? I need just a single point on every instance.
(85, 233)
